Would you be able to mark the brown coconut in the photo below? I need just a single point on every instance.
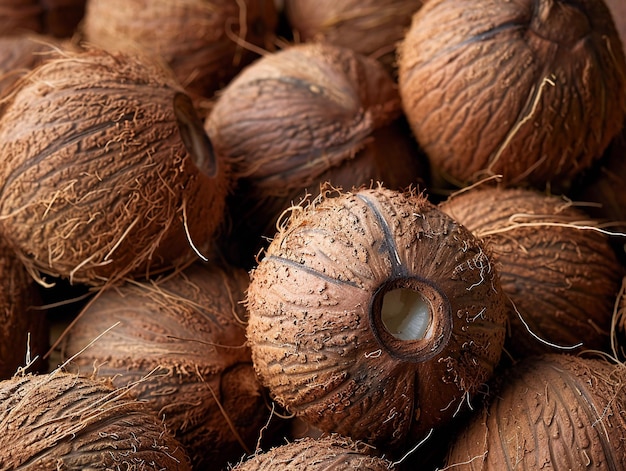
(618, 10)
(20, 16)
(561, 275)
(372, 28)
(24, 329)
(375, 315)
(57, 18)
(302, 116)
(326, 453)
(62, 421)
(532, 90)
(181, 342)
(106, 170)
(204, 42)
(556, 412)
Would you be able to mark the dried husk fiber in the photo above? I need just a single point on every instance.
(372, 28)
(561, 278)
(305, 115)
(106, 170)
(64, 422)
(325, 453)
(57, 18)
(202, 41)
(182, 340)
(24, 329)
(530, 90)
(555, 412)
(315, 319)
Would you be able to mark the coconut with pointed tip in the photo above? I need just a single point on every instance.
(375, 315)
(107, 172)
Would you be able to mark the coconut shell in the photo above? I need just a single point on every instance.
(62, 421)
(561, 279)
(330, 452)
(106, 171)
(372, 28)
(316, 327)
(24, 330)
(306, 115)
(204, 42)
(182, 341)
(530, 90)
(555, 412)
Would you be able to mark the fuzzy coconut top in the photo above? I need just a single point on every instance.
(321, 340)
(107, 171)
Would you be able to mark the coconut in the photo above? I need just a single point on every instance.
(181, 341)
(375, 315)
(19, 16)
(532, 90)
(307, 454)
(618, 10)
(24, 330)
(57, 18)
(560, 273)
(62, 421)
(302, 116)
(372, 28)
(555, 412)
(106, 170)
(204, 42)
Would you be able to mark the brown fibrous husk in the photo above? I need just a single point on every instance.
(532, 90)
(181, 339)
(555, 411)
(556, 266)
(372, 28)
(61, 421)
(107, 171)
(204, 42)
(307, 454)
(308, 114)
(315, 326)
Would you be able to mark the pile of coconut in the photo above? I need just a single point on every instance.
(294, 235)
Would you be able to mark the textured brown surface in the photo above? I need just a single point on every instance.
(99, 177)
(315, 330)
(554, 412)
(562, 280)
(197, 38)
(19, 16)
(327, 453)
(60, 421)
(533, 90)
(185, 337)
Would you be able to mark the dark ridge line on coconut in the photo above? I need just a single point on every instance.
(594, 418)
(398, 270)
(311, 271)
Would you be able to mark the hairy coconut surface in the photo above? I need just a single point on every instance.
(555, 412)
(302, 116)
(325, 453)
(182, 341)
(24, 329)
(204, 42)
(561, 275)
(106, 170)
(375, 315)
(532, 90)
(372, 28)
(62, 421)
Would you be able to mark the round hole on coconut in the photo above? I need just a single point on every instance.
(194, 136)
(406, 314)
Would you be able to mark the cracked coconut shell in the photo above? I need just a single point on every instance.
(326, 453)
(65, 422)
(556, 412)
(375, 315)
(532, 90)
(303, 116)
(561, 276)
(205, 42)
(106, 171)
(181, 342)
